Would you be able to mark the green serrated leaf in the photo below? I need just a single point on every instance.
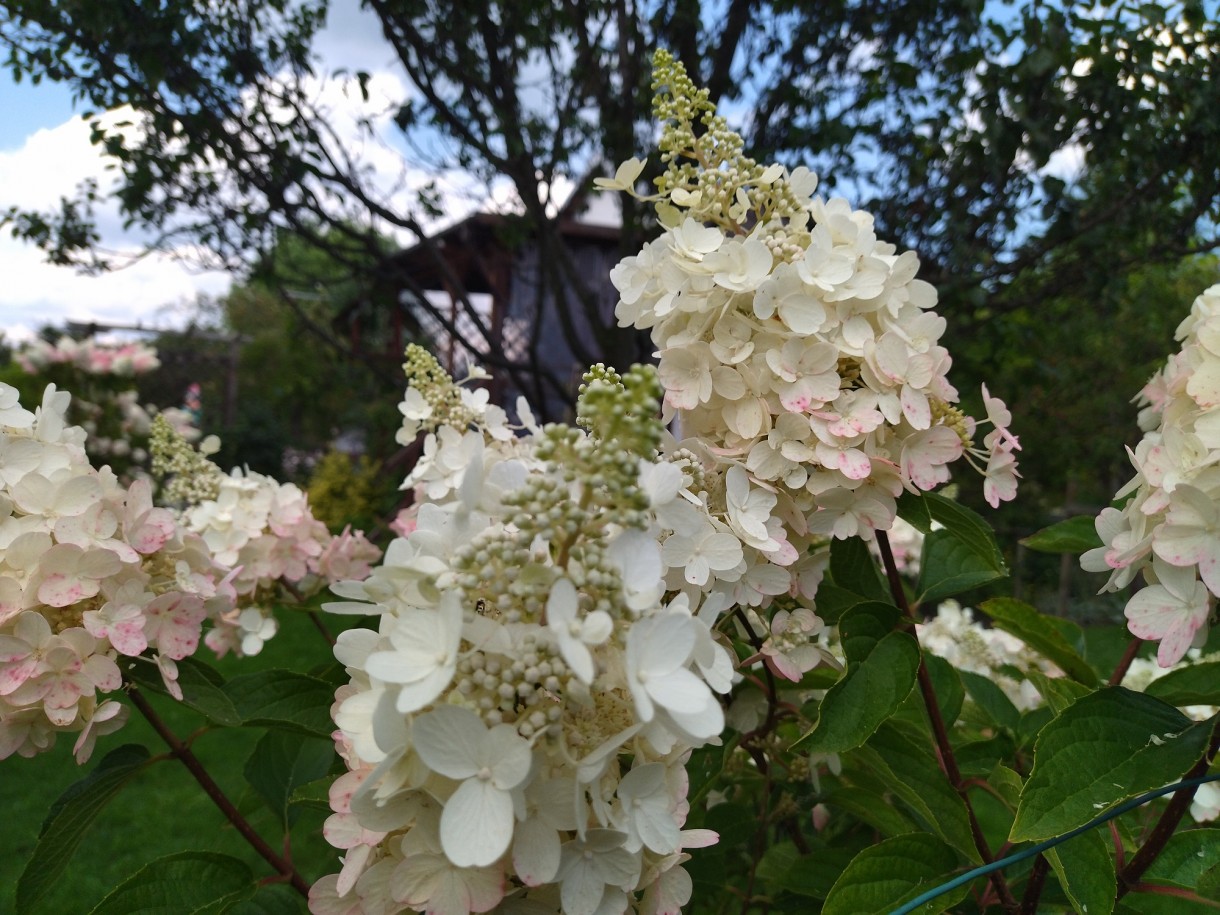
(1085, 868)
(1186, 857)
(283, 699)
(1188, 861)
(283, 761)
(949, 566)
(861, 628)
(901, 757)
(313, 794)
(1040, 634)
(868, 694)
(1032, 723)
(861, 804)
(961, 555)
(69, 819)
(202, 689)
(1074, 535)
(1102, 750)
(834, 601)
(977, 758)
(1007, 783)
(1059, 692)
(272, 899)
(187, 883)
(947, 684)
(1198, 684)
(884, 876)
(854, 568)
(991, 700)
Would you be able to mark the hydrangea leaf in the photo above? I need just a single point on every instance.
(69, 819)
(271, 899)
(1105, 748)
(1085, 868)
(853, 567)
(992, 701)
(862, 804)
(868, 694)
(1187, 856)
(1189, 861)
(1059, 692)
(900, 755)
(1041, 634)
(1072, 535)
(946, 683)
(194, 883)
(885, 875)
(1197, 684)
(283, 761)
(283, 699)
(202, 689)
(959, 555)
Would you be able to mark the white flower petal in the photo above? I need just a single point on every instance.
(477, 825)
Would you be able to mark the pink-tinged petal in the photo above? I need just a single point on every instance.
(60, 590)
(1176, 641)
(103, 673)
(535, 852)
(14, 674)
(854, 464)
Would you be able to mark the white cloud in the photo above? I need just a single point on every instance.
(50, 164)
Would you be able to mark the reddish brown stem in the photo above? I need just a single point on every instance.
(940, 734)
(1124, 663)
(212, 790)
(1033, 887)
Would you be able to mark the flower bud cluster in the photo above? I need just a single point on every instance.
(264, 531)
(792, 341)
(89, 571)
(1168, 530)
(516, 729)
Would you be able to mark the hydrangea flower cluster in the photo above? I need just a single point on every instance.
(117, 425)
(1169, 528)
(260, 528)
(89, 356)
(517, 726)
(90, 571)
(791, 340)
(954, 634)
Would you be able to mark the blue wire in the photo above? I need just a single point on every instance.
(1049, 843)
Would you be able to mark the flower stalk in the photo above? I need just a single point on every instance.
(940, 734)
(280, 864)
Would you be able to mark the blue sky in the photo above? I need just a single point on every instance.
(28, 107)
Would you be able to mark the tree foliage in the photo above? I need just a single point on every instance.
(1028, 152)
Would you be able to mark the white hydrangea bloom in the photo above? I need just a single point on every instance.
(1169, 529)
(90, 572)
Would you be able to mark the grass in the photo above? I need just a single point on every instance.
(162, 810)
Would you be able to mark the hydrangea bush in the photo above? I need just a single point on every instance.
(104, 402)
(699, 650)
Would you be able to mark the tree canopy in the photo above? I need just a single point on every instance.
(1026, 151)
